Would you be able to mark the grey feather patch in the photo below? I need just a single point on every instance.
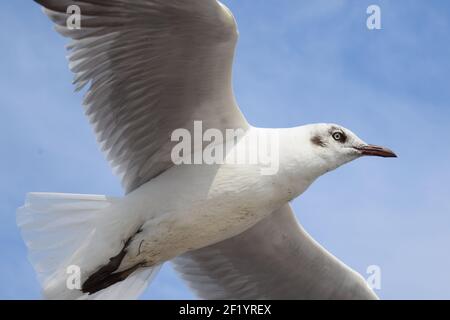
(317, 140)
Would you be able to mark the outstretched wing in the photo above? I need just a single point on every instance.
(276, 259)
(151, 66)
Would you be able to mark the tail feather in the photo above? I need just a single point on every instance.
(58, 227)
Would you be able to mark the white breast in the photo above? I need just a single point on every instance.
(193, 206)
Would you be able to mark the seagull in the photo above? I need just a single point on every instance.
(152, 67)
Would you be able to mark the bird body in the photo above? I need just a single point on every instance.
(192, 206)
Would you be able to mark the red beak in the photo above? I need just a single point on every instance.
(377, 151)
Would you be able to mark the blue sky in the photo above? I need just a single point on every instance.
(297, 62)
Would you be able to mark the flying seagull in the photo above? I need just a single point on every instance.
(152, 67)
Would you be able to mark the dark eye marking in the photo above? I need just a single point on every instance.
(339, 136)
(317, 140)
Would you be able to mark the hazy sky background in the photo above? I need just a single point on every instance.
(297, 62)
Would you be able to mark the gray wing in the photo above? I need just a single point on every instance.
(151, 66)
(276, 259)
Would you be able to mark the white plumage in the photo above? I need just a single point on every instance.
(153, 66)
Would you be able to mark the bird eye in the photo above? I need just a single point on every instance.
(339, 136)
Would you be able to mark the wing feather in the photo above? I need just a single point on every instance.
(151, 66)
(276, 259)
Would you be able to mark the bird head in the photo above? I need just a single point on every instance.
(337, 145)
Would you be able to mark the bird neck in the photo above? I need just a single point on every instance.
(300, 165)
(287, 157)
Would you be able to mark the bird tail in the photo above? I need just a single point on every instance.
(58, 230)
